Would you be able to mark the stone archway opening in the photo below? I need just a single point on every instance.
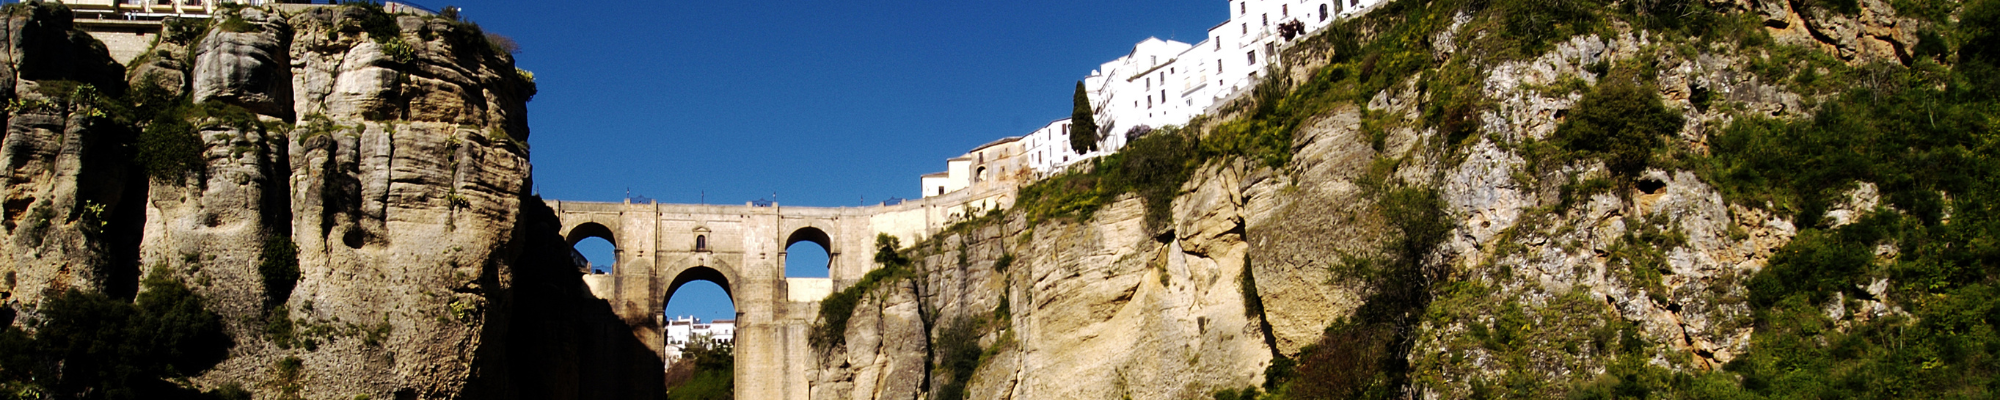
(808, 254)
(596, 245)
(699, 328)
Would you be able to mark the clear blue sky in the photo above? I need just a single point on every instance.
(822, 103)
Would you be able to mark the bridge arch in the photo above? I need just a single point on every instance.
(700, 273)
(816, 236)
(588, 230)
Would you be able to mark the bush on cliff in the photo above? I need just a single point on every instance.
(1620, 122)
(831, 328)
(706, 371)
(90, 346)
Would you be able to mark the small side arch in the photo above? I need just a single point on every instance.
(589, 230)
(809, 234)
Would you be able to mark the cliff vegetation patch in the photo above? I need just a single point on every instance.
(87, 345)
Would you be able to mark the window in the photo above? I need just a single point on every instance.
(940, 190)
(1246, 28)
(700, 242)
(1253, 57)
(1149, 83)
(1285, 10)
(1218, 67)
(1242, 7)
(1270, 50)
(1218, 43)
(1163, 97)
(1267, 19)
(1156, 60)
(1322, 12)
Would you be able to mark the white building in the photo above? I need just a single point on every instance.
(1048, 149)
(1165, 82)
(684, 331)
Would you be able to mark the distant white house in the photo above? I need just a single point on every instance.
(1048, 149)
(685, 331)
(995, 164)
(1165, 82)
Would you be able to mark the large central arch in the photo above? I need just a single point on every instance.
(700, 273)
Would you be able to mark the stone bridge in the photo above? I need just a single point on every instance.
(741, 248)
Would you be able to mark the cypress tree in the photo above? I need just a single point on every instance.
(1082, 127)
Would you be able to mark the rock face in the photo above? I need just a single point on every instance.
(1091, 310)
(251, 69)
(356, 200)
(1252, 268)
(68, 210)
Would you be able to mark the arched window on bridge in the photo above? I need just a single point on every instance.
(700, 242)
(808, 254)
(596, 244)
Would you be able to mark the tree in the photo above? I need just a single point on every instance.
(1620, 122)
(1082, 127)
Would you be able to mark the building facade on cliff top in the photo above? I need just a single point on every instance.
(128, 27)
(1162, 82)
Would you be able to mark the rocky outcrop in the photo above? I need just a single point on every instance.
(374, 197)
(1872, 32)
(66, 206)
(251, 69)
(1102, 309)
(354, 201)
(1257, 264)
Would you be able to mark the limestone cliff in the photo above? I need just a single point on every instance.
(1552, 269)
(66, 164)
(348, 189)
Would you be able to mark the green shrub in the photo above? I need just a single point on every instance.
(1621, 123)
(286, 375)
(187, 31)
(235, 23)
(280, 329)
(1689, 17)
(1537, 24)
(957, 352)
(1367, 356)
(91, 346)
(279, 267)
(1922, 135)
(1006, 260)
(1155, 167)
(399, 50)
(831, 328)
(705, 371)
